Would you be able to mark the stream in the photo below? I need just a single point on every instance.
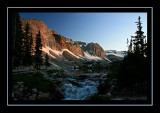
(81, 86)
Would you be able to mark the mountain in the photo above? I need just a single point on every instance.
(95, 49)
(50, 37)
(35, 26)
(114, 55)
(63, 52)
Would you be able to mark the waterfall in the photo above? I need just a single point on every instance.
(85, 88)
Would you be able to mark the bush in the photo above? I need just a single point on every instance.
(115, 66)
(133, 70)
(132, 74)
(104, 87)
(52, 71)
(112, 75)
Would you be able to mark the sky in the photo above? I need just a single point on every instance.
(110, 30)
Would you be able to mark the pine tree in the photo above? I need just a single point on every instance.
(138, 40)
(130, 46)
(17, 37)
(132, 74)
(31, 50)
(47, 64)
(38, 52)
(31, 44)
(28, 46)
(127, 42)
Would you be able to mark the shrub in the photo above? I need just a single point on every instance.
(52, 71)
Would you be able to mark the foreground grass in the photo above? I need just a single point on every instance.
(34, 80)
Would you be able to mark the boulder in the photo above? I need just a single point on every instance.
(32, 97)
(34, 90)
(43, 96)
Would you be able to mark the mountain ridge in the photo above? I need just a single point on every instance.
(60, 44)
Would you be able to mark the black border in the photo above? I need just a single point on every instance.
(79, 3)
(79, 10)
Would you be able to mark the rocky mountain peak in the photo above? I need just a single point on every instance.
(50, 37)
(58, 42)
(35, 26)
(95, 49)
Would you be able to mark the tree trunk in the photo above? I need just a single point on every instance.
(13, 36)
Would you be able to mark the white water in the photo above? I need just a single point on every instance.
(84, 89)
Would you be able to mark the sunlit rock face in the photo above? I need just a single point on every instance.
(50, 37)
(95, 49)
(35, 26)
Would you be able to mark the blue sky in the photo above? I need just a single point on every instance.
(110, 30)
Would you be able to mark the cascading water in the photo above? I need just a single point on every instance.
(84, 89)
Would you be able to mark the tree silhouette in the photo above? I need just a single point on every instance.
(132, 74)
(47, 64)
(38, 52)
(138, 40)
(27, 55)
(17, 40)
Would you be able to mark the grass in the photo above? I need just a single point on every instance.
(34, 80)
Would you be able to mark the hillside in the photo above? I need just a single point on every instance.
(63, 51)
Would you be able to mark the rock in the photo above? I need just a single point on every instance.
(43, 96)
(69, 56)
(34, 90)
(20, 83)
(15, 87)
(35, 26)
(82, 77)
(17, 95)
(32, 97)
(21, 89)
(87, 98)
(25, 98)
(108, 94)
(74, 83)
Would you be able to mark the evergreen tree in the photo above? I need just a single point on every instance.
(127, 43)
(31, 44)
(31, 50)
(47, 64)
(138, 40)
(17, 37)
(38, 52)
(130, 47)
(27, 56)
(132, 74)
(28, 46)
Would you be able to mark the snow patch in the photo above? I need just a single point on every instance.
(59, 53)
(118, 53)
(90, 57)
(54, 64)
(107, 59)
(47, 49)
